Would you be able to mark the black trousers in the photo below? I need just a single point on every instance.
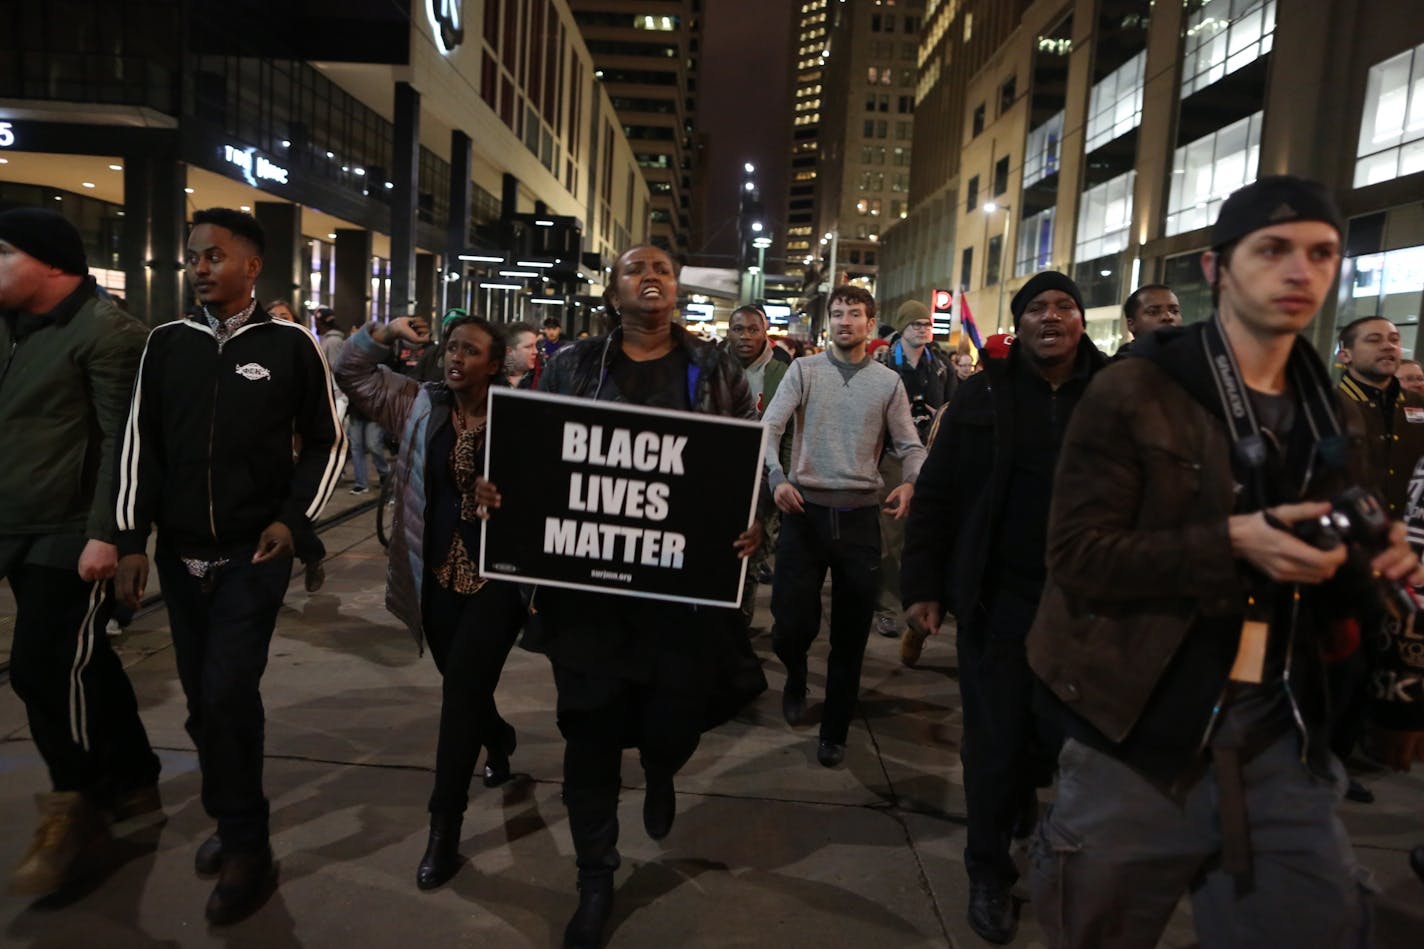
(663, 721)
(847, 542)
(1005, 750)
(78, 701)
(222, 628)
(470, 637)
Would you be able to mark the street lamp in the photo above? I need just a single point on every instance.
(761, 244)
(989, 208)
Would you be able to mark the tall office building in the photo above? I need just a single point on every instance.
(645, 53)
(957, 38)
(864, 151)
(1099, 137)
(810, 36)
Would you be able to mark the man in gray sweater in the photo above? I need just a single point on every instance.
(844, 402)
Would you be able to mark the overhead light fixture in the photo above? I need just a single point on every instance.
(541, 264)
(749, 168)
(88, 184)
(390, 184)
(286, 143)
(246, 207)
(502, 286)
(359, 171)
(4, 161)
(481, 258)
(331, 236)
(750, 186)
(555, 301)
(544, 222)
(519, 273)
(116, 167)
(330, 155)
(756, 226)
(187, 190)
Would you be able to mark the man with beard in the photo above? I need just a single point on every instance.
(975, 547)
(207, 457)
(844, 403)
(1394, 426)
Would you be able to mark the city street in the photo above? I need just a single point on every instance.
(769, 849)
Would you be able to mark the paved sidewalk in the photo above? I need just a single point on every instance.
(769, 849)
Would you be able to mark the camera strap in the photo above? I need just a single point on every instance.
(1248, 444)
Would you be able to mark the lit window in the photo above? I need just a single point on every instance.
(1204, 172)
(1041, 151)
(1035, 237)
(1223, 36)
(1392, 131)
(1116, 103)
(1104, 218)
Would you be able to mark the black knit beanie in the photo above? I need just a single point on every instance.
(46, 236)
(1039, 282)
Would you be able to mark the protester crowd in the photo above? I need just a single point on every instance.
(1179, 576)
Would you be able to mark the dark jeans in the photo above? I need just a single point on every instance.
(78, 701)
(662, 721)
(1114, 854)
(846, 542)
(470, 637)
(1004, 743)
(222, 629)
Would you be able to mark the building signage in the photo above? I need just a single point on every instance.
(619, 499)
(7, 134)
(255, 168)
(699, 312)
(447, 21)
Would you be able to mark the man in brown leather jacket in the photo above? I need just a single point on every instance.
(1183, 626)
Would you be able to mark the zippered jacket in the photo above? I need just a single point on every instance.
(1144, 605)
(207, 450)
(65, 380)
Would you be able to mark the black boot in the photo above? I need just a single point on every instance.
(245, 882)
(593, 822)
(585, 929)
(442, 853)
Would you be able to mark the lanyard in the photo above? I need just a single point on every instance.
(1248, 443)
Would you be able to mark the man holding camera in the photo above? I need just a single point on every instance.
(1185, 622)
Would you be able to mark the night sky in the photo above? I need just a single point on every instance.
(743, 105)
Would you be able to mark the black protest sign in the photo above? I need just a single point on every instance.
(618, 498)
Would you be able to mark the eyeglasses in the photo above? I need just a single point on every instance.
(1040, 307)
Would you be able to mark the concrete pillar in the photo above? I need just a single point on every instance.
(426, 295)
(154, 235)
(405, 175)
(351, 295)
(282, 269)
(457, 230)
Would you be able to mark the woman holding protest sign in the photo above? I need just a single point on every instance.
(636, 672)
(433, 585)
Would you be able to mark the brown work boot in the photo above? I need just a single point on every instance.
(69, 824)
(912, 642)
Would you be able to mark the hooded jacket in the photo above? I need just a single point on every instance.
(1140, 619)
(207, 449)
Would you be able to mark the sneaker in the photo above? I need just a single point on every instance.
(314, 576)
(113, 628)
(360, 489)
(886, 624)
(69, 824)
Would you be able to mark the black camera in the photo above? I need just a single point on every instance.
(1357, 518)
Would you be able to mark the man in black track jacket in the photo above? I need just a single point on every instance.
(207, 457)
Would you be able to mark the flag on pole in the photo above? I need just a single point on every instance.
(966, 319)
